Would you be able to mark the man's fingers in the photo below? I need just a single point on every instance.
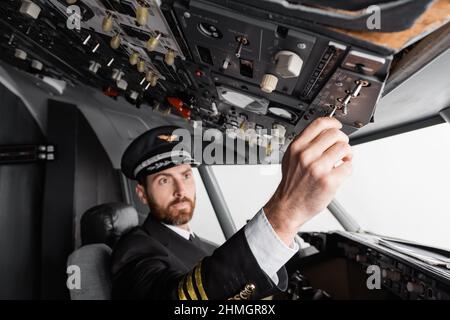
(313, 130)
(343, 171)
(339, 151)
(321, 143)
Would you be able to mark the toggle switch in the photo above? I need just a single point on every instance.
(107, 23)
(242, 41)
(141, 66)
(149, 76)
(169, 58)
(153, 42)
(134, 58)
(115, 41)
(141, 15)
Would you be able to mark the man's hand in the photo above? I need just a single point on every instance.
(314, 166)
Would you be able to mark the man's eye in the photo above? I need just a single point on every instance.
(163, 181)
(187, 176)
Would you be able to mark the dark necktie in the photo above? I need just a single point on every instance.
(194, 240)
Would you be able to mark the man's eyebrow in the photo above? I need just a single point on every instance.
(187, 171)
(157, 175)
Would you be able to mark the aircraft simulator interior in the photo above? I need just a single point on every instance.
(237, 65)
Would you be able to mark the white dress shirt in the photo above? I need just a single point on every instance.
(270, 251)
(180, 231)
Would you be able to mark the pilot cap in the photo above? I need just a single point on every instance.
(154, 151)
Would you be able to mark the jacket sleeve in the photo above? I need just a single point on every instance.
(231, 272)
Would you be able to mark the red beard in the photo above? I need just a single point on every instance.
(171, 215)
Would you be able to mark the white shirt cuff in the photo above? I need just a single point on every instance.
(270, 251)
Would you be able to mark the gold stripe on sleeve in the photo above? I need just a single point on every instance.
(181, 294)
(190, 287)
(199, 283)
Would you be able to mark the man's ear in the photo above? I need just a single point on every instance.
(140, 191)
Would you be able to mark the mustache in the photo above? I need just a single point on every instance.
(184, 199)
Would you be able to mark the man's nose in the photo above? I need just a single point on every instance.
(180, 190)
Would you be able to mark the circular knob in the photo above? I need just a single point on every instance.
(141, 15)
(115, 41)
(107, 23)
(169, 58)
(289, 64)
(269, 83)
(134, 58)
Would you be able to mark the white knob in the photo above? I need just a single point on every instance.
(122, 84)
(269, 83)
(280, 130)
(37, 65)
(20, 54)
(134, 95)
(289, 64)
(30, 9)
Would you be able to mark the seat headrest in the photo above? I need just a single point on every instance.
(106, 223)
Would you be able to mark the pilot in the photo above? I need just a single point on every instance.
(164, 259)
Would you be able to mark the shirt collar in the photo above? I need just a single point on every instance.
(180, 231)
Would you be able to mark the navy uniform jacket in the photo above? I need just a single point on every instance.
(154, 262)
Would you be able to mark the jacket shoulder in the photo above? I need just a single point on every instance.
(135, 245)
